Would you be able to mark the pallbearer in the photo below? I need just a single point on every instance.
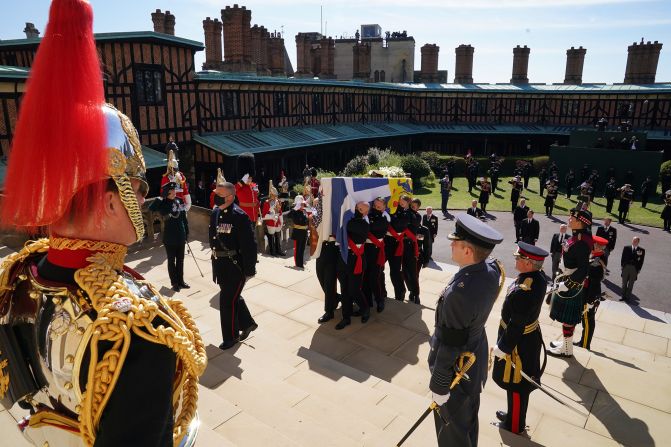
(395, 246)
(519, 341)
(373, 285)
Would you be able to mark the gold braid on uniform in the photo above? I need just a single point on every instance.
(121, 314)
(502, 279)
(31, 247)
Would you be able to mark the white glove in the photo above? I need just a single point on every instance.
(440, 399)
(496, 351)
(187, 202)
(562, 287)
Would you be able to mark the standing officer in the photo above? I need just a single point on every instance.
(299, 230)
(373, 284)
(647, 188)
(515, 192)
(519, 340)
(173, 174)
(357, 233)
(327, 276)
(430, 221)
(519, 214)
(609, 233)
(632, 262)
(233, 262)
(666, 212)
(461, 314)
(529, 229)
(175, 232)
(445, 186)
(567, 295)
(592, 296)
(551, 197)
(556, 247)
(394, 244)
(626, 197)
(610, 194)
(569, 180)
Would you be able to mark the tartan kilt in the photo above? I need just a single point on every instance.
(567, 310)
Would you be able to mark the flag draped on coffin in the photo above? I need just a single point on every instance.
(340, 196)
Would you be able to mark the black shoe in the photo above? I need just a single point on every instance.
(184, 285)
(343, 324)
(175, 288)
(417, 300)
(365, 317)
(328, 316)
(228, 344)
(245, 332)
(380, 307)
(400, 298)
(501, 415)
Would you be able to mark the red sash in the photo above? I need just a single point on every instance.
(413, 237)
(399, 240)
(358, 252)
(379, 243)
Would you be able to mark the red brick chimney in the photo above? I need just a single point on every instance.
(429, 66)
(213, 56)
(303, 56)
(169, 24)
(277, 67)
(327, 58)
(361, 61)
(237, 38)
(31, 31)
(463, 66)
(158, 18)
(575, 60)
(520, 65)
(642, 60)
(260, 49)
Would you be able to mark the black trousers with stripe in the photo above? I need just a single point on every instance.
(588, 324)
(518, 402)
(300, 238)
(233, 311)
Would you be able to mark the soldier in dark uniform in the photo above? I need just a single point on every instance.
(327, 276)
(461, 314)
(299, 229)
(569, 180)
(526, 173)
(519, 214)
(626, 197)
(472, 174)
(430, 221)
(373, 284)
(631, 262)
(608, 232)
(233, 262)
(647, 188)
(666, 212)
(519, 341)
(357, 233)
(394, 245)
(515, 191)
(494, 175)
(551, 197)
(69, 304)
(568, 287)
(610, 194)
(592, 295)
(542, 179)
(423, 239)
(175, 232)
(411, 251)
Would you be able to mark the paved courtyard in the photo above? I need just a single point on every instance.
(296, 383)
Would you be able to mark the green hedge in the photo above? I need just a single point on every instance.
(417, 168)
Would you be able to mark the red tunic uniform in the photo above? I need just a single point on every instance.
(270, 216)
(248, 197)
(179, 178)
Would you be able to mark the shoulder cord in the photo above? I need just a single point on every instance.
(121, 314)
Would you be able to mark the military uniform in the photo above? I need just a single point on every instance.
(520, 338)
(175, 235)
(461, 314)
(567, 298)
(626, 197)
(592, 295)
(357, 233)
(174, 175)
(299, 232)
(373, 284)
(610, 194)
(515, 192)
(394, 248)
(411, 255)
(610, 234)
(632, 263)
(327, 276)
(666, 212)
(233, 262)
(550, 198)
(89, 349)
(569, 180)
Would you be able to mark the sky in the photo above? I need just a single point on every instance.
(493, 27)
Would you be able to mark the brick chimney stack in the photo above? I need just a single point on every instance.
(31, 31)
(327, 59)
(303, 57)
(260, 37)
(213, 56)
(237, 38)
(575, 60)
(361, 61)
(169, 24)
(520, 65)
(463, 67)
(642, 60)
(158, 18)
(429, 65)
(277, 55)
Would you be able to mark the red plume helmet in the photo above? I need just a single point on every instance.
(60, 138)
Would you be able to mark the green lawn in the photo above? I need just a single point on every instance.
(500, 201)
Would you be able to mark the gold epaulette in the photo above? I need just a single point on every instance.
(528, 329)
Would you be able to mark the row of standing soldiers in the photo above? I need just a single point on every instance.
(374, 238)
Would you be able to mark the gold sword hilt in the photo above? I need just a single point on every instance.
(464, 363)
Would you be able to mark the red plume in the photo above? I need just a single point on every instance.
(59, 143)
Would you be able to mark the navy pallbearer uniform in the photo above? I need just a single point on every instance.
(373, 285)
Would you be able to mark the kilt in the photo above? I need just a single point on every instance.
(567, 310)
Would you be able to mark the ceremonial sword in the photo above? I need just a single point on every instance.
(194, 259)
(462, 367)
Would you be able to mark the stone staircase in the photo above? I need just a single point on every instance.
(296, 383)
